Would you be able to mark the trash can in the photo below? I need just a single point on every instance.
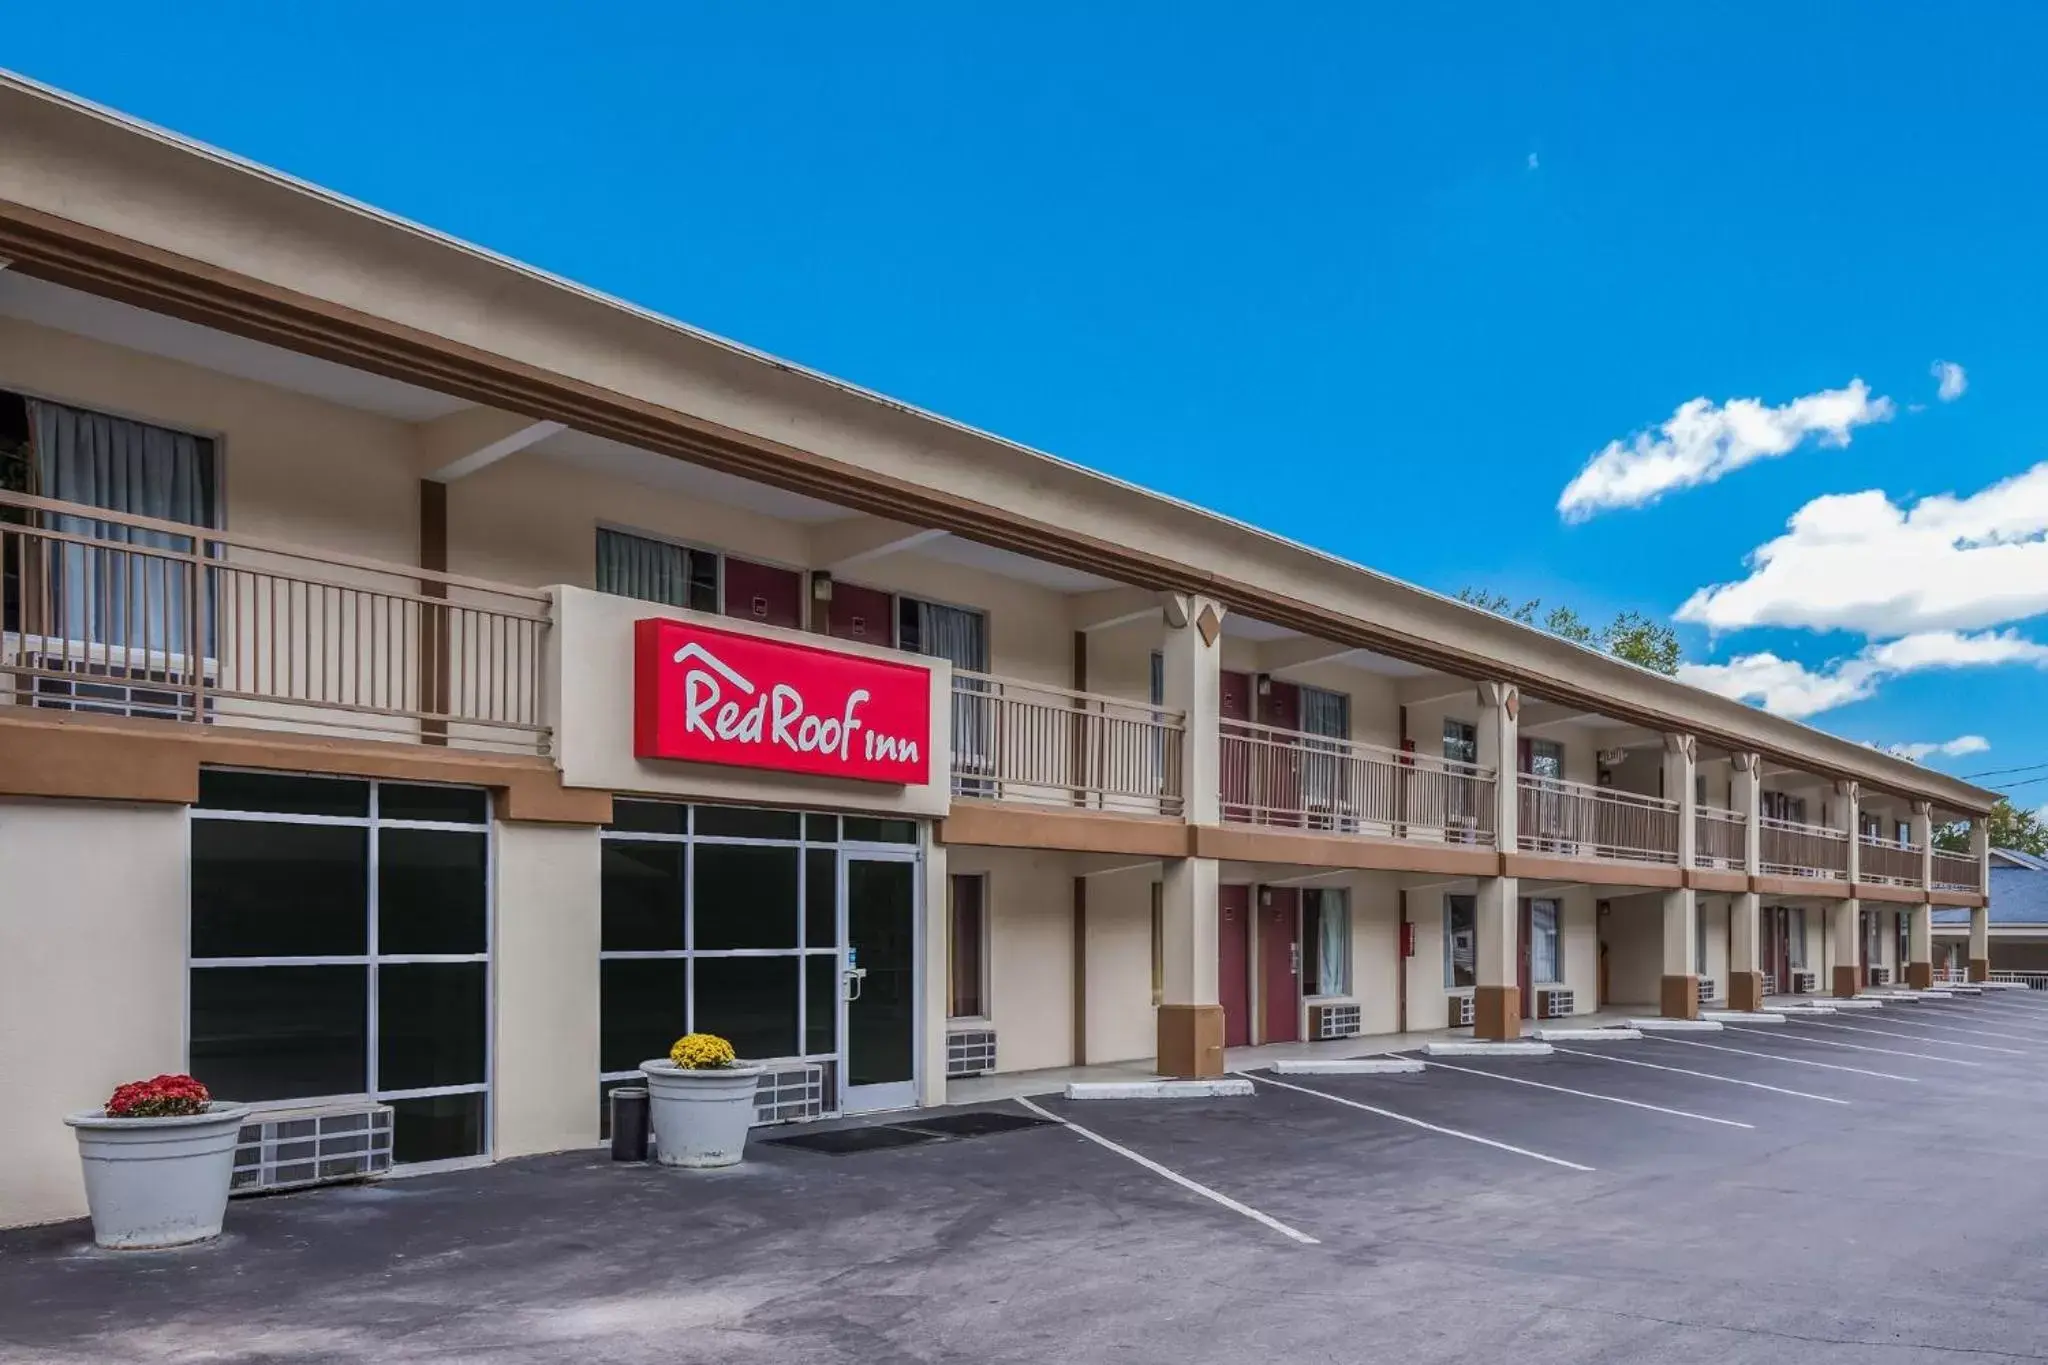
(629, 1122)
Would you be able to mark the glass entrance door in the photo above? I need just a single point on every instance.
(879, 926)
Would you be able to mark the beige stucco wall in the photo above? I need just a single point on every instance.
(1121, 1025)
(544, 1017)
(1633, 931)
(1428, 1002)
(589, 662)
(92, 980)
(1031, 953)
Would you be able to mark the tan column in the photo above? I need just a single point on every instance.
(938, 957)
(1190, 1015)
(1845, 936)
(1497, 998)
(1918, 969)
(1679, 992)
(1745, 962)
(1980, 915)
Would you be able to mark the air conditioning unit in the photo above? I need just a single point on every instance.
(1555, 1002)
(1710, 991)
(1461, 1011)
(1770, 983)
(791, 1092)
(288, 1149)
(970, 1051)
(1333, 1021)
(1880, 976)
(1805, 983)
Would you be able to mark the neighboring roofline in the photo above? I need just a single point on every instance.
(91, 197)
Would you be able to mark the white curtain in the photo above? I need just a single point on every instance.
(650, 570)
(1324, 790)
(961, 638)
(107, 596)
(1333, 945)
(1543, 965)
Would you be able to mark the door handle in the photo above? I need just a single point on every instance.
(854, 977)
(1294, 959)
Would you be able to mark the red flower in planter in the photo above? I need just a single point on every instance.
(159, 1097)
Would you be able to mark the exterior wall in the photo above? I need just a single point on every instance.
(1713, 912)
(92, 980)
(544, 1014)
(1031, 953)
(1633, 930)
(1580, 926)
(1120, 1017)
(1428, 1000)
(1376, 963)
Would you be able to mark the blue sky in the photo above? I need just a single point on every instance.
(1381, 278)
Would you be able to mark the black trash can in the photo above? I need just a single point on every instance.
(629, 1122)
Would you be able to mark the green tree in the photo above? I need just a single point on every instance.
(2010, 827)
(1630, 635)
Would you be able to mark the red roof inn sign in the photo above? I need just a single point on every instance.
(715, 696)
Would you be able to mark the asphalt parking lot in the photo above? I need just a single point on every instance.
(1870, 1187)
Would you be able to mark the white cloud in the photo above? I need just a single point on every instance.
(1855, 561)
(1533, 162)
(1958, 747)
(1953, 380)
(1786, 687)
(1702, 442)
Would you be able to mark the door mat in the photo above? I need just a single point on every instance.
(848, 1141)
(977, 1123)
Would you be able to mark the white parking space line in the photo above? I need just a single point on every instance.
(1704, 1075)
(1419, 1123)
(1857, 1047)
(1793, 1061)
(1911, 1037)
(1175, 1176)
(2037, 1038)
(1592, 1095)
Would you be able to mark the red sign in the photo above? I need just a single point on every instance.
(715, 696)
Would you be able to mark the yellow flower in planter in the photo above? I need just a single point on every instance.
(701, 1052)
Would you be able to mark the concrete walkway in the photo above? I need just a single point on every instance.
(1054, 1080)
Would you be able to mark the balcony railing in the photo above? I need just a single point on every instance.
(1718, 838)
(1021, 741)
(1795, 850)
(1574, 820)
(111, 614)
(1890, 861)
(1271, 776)
(1957, 872)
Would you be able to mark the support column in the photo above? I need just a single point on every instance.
(1980, 915)
(1920, 922)
(938, 953)
(1745, 961)
(1190, 1015)
(1679, 992)
(1846, 930)
(1497, 997)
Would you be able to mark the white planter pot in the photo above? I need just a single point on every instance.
(700, 1118)
(157, 1182)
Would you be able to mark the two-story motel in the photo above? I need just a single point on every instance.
(428, 683)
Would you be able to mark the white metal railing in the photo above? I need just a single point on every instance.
(1951, 976)
(1719, 838)
(1271, 776)
(1892, 861)
(1028, 742)
(1791, 849)
(2033, 981)
(107, 613)
(1957, 872)
(1580, 821)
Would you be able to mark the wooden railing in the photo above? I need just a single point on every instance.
(1271, 776)
(1796, 850)
(1574, 820)
(1887, 860)
(1718, 838)
(1958, 872)
(1022, 741)
(108, 613)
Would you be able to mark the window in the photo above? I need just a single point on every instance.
(340, 946)
(1779, 806)
(1699, 939)
(1795, 955)
(1461, 741)
(967, 947)
(955, 634)
(1543, 757)
(1461, 942)
(1158, 941)
(1546, 962)
(1325, 942)
(656, 571)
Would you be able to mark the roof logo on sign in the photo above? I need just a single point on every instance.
(779, 718)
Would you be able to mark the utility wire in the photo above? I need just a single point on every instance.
(2000, 772)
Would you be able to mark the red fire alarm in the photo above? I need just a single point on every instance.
(1407, 940)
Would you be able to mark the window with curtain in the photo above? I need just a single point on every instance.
(967, 947)
(1795, 919)
(1461, 942)
(960, 637)
(113, 597)
(1158, 942)
(1546, 963)
(656, 571)
(1699, 940)
(1325, 942)
(1325, 788)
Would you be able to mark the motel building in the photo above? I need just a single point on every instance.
(430, 687)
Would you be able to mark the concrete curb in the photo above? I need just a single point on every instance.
(1486, 1050)
(1583, 1035)
(1999, 985)
(1861, 1002)
(1675, 1025)
(1159, 1090)
(1802, 1011)
(1963, 990)
(1350, 1066)
(1743, 1016)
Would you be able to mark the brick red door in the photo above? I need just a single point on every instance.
(861, 614)
(1234, 703)
(1234, 962)
(1280, 707)
(1279, 964)
(764, 593)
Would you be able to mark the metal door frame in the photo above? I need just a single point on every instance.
(869, 1099)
